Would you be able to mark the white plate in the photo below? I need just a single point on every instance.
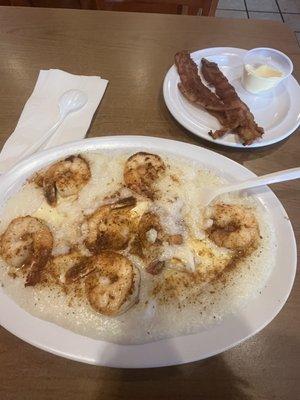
(277, 111)
(231, 331)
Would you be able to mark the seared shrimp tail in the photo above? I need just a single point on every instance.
(234, 227)
(110, 227)
(65, 178)
(36, 266)
(111, 282)
(141, 171)
(27, 244)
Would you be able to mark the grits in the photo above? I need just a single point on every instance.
(166, 307)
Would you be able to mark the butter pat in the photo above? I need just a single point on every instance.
(262, 78)
(139, 210)
(49, 214)
(264, 71)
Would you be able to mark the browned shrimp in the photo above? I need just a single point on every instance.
(110, 227)
(234, 227)
(141, 171)
(27, 243)
(66, 177)
(111, 282)
(58, 267)
(148, 241)
(149, 237)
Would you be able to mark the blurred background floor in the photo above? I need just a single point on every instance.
(287, 11)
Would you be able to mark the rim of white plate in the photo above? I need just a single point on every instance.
(177, 111)
(238, 327)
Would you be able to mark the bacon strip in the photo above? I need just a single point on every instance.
(240, 119)
(194, 89)
(225, 105)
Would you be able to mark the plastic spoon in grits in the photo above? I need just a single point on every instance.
(69, 102)
(275, 177)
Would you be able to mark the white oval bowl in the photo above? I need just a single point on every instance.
(232, 330)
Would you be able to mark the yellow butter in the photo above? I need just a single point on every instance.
(49, 214)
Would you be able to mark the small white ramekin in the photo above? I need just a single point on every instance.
(265, 56)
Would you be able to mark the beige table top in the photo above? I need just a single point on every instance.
(134, 52)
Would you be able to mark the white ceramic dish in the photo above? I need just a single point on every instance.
(219, 337)
(276, 110)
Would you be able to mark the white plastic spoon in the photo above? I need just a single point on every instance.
(280, 176)
(69, 102)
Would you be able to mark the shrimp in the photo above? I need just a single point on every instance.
(234, 227)
(111, 282)
(110, 227)
(27, 244)
(66, 177)
(58, 267)
(141, 171)
(148, 242)
(149, 238)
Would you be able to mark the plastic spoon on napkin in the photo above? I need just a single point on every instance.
(69, 102)
(275, 177)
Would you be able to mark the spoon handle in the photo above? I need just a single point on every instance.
(275, 177)
(36, 145)
(48, 138)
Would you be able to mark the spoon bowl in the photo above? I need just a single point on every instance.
(71, 101)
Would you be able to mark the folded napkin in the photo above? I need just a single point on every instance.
(41, 112)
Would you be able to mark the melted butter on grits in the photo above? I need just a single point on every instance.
(210, 258)
(200, 284)
(209, 262)
(50, 214)
(141, 208)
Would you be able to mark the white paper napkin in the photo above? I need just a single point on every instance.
(41, 112)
